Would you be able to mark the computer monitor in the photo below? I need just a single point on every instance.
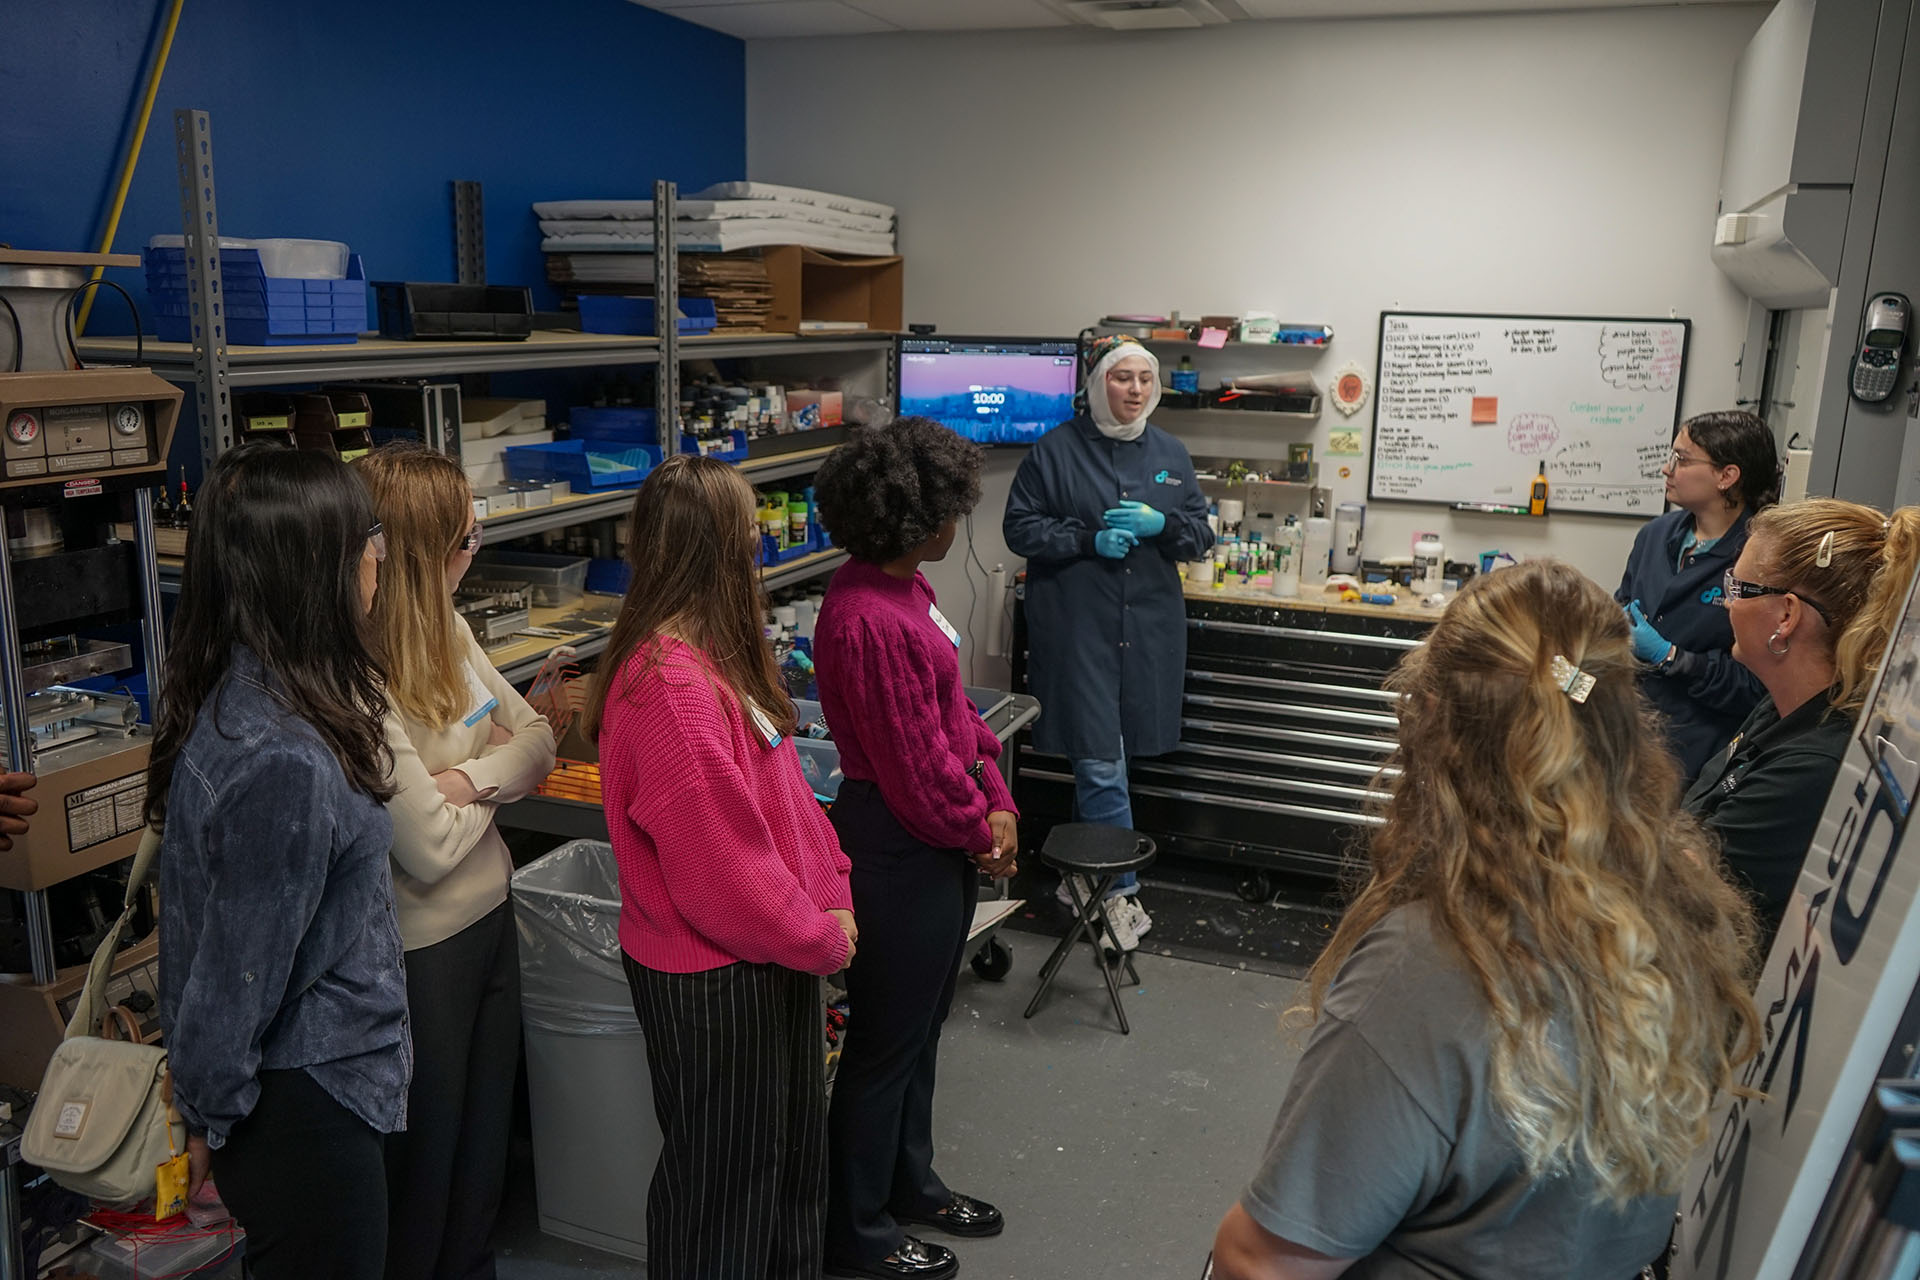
(990, 390)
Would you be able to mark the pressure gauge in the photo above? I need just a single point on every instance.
(128, 419)
(23, 427)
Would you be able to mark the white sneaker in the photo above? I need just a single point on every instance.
(1120, 927)
(1136, 914)
(1065, 898)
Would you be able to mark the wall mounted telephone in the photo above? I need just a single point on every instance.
(1876, 366)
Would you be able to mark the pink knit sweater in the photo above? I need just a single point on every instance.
(724, 854)
(890, 687)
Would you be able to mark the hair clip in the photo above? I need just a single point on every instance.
(1571, 680)
(1824, 556)
(1886, 526)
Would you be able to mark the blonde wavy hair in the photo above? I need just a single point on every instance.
(1861, 587)
(423, 499)
(1543, 837)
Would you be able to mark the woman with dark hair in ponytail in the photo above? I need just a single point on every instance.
(1722, 471)
(1812, 600)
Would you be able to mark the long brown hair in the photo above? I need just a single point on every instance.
(693, 543)
(421, 496)
(1862, 586)
(1542, 836)
(274, 564)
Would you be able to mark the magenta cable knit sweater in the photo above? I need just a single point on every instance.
(890, 686)
(724, 853)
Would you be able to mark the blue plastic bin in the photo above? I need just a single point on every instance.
(600, 313)
(608, 577)
(691, 444)
(587, 470)
(261, 310)
(620, 425)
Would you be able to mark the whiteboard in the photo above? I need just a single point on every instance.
(1468, 406)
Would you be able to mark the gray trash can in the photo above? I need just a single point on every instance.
(595, 1139)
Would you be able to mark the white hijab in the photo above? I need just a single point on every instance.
(1101, 409)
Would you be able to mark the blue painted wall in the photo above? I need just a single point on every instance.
(347, 119)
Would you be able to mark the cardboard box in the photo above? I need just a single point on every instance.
(91, 814)
(811, 410)
(810, 285)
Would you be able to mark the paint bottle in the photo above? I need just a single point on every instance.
(1537, 500)
(798, 511)
(1317, 550)
(1429, 563)
(1186, 378)
(1287, 542)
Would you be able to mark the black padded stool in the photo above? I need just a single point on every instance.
(1103, 854)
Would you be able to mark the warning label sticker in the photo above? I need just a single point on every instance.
(106, 812)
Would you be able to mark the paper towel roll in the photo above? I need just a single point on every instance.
(1799, 462)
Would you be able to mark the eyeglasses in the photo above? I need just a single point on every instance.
(1677, 460)
(377, 540)
(1733, 588)
(472, 541)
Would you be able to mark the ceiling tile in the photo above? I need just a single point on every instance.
(765, 20)
(973, 15)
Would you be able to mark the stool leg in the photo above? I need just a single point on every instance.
(1100, 955)
(1082, 925)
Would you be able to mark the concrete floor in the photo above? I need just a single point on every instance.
(1111, 1155)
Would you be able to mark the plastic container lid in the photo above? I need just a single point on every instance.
(180, 242)
(303, 259)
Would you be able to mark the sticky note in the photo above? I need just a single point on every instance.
(1213, 339)
(1486, 409)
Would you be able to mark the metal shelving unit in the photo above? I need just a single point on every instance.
(214, 369)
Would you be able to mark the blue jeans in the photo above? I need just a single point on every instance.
(1100, 795)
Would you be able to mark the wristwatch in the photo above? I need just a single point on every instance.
(1665, 665)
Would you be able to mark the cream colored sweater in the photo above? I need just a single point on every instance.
(450, 866)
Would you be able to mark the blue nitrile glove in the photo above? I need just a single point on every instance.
(1137, 518)
(1114, 543)
(1648, 645)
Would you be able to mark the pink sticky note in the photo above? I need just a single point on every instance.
(1213, 339)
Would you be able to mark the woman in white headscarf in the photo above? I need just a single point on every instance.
(1105, 508)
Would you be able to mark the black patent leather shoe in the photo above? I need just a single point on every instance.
(963, 1216)
(913, 1260)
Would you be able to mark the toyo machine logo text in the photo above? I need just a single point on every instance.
(1166, 477)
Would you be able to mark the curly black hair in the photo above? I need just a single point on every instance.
(889, 489)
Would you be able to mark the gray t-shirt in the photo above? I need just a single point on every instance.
(1389, 1147)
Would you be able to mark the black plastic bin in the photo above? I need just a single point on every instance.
(486, 312)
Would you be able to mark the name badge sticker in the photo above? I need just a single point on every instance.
(770, 735)
(483, 700)
(940, 621)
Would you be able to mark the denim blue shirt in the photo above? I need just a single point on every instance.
(279, 947)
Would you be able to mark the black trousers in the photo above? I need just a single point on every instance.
(304, 1179)
(445, 1173)
(737, 1057)
(914, 904)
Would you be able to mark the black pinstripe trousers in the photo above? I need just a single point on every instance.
(737, 1060)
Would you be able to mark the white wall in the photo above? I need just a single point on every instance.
(1560, 163)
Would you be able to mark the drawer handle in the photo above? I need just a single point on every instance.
(1297, 633)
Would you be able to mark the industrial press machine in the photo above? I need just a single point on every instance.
(79, 612)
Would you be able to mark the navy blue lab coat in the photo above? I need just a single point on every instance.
(1106, 639)
(1705, 696)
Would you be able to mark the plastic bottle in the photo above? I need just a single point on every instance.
(1186, 378)
(1287, 542)
(1316, 555)
(1429, 563)
(1349, 524)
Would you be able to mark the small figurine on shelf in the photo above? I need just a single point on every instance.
(162, 506)
(183, 509)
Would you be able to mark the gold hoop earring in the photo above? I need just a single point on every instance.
(1781, 652)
